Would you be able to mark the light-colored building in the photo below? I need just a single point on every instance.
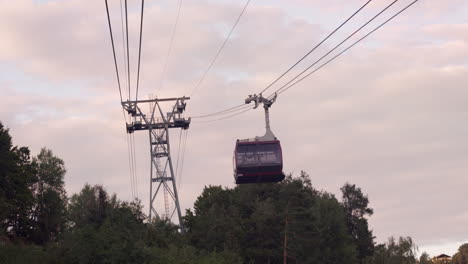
(442, 259)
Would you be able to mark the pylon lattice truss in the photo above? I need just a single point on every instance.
(158, 123)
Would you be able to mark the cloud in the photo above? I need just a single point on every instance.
(390, 115)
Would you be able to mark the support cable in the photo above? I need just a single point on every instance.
(178, 153)
(139, 49)
(132, 158)
(120, 93)
(130, 151)
(130, 167)
(239, 107)
(123, 45)
(171, 43)
(229, 110)
(283, 89)
(135, 175)
(226, 117)
(113, 50)
(183, 159)
(316, 46)
(337, 46)
(129, 160)
(220, 49)
(128, 50)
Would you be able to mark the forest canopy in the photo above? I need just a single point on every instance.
(285, 222)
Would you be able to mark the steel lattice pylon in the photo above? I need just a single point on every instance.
(162, 177)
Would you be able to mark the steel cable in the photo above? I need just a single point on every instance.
(113, 50)
(338, 45)
(139, 49)
(316, 46)
(233, 109)
(220, 49)
(171, 43)
(283, 89)
(128, 50)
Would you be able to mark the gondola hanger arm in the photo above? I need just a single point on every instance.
(258, 99)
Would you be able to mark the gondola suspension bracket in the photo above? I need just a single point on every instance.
(267, 103)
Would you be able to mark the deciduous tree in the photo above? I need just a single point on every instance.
(51, 198)
(425, 259)
(461, 257)
(401, 251)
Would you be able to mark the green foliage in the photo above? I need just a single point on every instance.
(32, 194)
(402, 251)
(355, 205)
(89, 207)
(425, 259)
(16, 180)
(24, 254)
(254, 221)
(103, 229)
(461, 257)
(188, 254)
(51, 198)
(106, 230)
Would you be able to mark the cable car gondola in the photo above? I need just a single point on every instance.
(259, 159)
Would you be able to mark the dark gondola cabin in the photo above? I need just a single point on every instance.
(257, 161)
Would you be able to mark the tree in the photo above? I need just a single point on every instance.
(89, 207)
(254, 221)
(16, 180)
(355, 205)
(401, 251)
(51, 198)
(104, 229)
(461, 257)
(425, 259)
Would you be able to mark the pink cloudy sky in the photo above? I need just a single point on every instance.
(390, 115)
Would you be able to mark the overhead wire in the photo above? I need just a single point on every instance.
(220, 49)
(113, 50)
(226, 117)
(338, 45)
(349, 47)
(130, 164)
(130, 144)
(171, 43)
(228, 110)
(129, 85)
(286, 87)
(163, 74)
(183, 159)
(129, 159)
(121, 98)
(135, 175)
(316, 46)
(178, 153)
(240, 107)
(128, 50)
(122, 18)
(139, 48)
